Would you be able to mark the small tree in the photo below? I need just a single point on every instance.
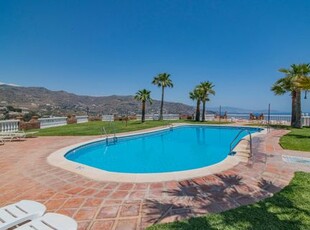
(143, 96)
(162, 80)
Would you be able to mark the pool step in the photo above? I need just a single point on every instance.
(242, 151)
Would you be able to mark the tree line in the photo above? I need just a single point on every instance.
(295, 81)
(200, 93)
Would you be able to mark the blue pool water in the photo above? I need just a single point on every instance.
(182, 148)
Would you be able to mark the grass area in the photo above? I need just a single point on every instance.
(297, 139)
(95, 127)
(288, 209)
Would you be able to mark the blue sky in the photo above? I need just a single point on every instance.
(117, 47)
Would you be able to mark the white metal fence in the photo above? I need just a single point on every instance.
(9, 125)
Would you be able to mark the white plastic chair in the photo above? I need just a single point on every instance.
(20, 212)
(50, 221)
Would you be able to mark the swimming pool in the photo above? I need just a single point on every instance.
(172, 150)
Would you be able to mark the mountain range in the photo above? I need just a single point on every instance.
(46, 102)
(61, 103)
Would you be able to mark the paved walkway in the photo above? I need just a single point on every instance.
(25, 174)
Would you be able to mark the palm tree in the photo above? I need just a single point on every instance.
(143, 96)
(162, 80)
(290, 83)
(196, 94)
(206, 88)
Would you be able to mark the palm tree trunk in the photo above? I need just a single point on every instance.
(298, 123)
(197, 118)
(203, 110)
(143, 112)
(162, 103)
(293, 118)
(296, 109)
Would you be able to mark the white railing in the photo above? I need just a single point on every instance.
(155, 117)
(52, 122)
(81, 119)
(238, 116)
(148, 117)
(209, 117)
(274, 118)
(170, 117)
(305, 120)
(107, 117)
(9, 125)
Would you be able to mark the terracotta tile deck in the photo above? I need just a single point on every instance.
(25, 174)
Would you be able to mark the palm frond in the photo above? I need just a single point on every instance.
(143, 95)
(278, 89)
(163, 80)
(303, 83)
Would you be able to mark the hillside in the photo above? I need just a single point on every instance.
(47, 102)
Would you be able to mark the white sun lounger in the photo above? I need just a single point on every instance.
(20, 212)
(19, 135)
(12, 135)
(50, 221)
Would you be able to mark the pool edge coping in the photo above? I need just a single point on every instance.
(58, 159)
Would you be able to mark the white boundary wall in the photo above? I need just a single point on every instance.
(52, 122)
(107, 117)
(81, 119)
(155, 117)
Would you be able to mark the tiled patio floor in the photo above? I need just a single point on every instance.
(25, 174)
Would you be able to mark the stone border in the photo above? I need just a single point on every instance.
(57, 159)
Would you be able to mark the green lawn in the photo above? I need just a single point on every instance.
(95, 127)
(297, 139)
(288, 209)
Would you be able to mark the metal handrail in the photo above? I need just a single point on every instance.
(104, 131)
(241, 131)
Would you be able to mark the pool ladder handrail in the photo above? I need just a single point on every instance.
(104, 132)
(241, 131)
